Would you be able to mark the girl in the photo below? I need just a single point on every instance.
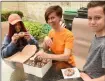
(17, 37)
(59, 40)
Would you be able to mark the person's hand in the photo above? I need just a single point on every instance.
(48, 41)
(41, 54)
(15, 37)
(27, 36)
(85, 77)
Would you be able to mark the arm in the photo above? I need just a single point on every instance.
(102, 78)
(7, 47)
(85, 77)
(45, 43)
(67, 50)
(33, 41)
(60, 57)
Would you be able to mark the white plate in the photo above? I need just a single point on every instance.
(75, 75)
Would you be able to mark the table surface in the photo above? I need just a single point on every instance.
(12, 71)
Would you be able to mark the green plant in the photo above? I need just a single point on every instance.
(17, 12)
(38, 30)
(5, 14)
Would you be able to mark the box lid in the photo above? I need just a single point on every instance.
(25, 54)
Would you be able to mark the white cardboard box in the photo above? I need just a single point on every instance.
(39, 72)
(24, 55)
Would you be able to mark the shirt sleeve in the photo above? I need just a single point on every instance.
(7, 48)
(103, 56)
(69, 41)
(33, 41)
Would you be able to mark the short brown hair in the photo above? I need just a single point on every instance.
(57, 9)
(96, 3)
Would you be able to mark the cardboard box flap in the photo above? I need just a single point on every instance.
(25, 54)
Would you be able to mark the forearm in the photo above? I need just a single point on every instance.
(45, 47)
(8, 50)
(102, 78)
(32, 41)
(60, 57)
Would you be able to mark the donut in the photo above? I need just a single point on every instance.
(69, 72)
(38, 58)
(42, 64)
(44, 61)
(21, 34)
(39, 64)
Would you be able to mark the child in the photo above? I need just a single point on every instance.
(17, 37)
(95, 66)
(59, 40)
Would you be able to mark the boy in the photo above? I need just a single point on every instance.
(94, 69)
